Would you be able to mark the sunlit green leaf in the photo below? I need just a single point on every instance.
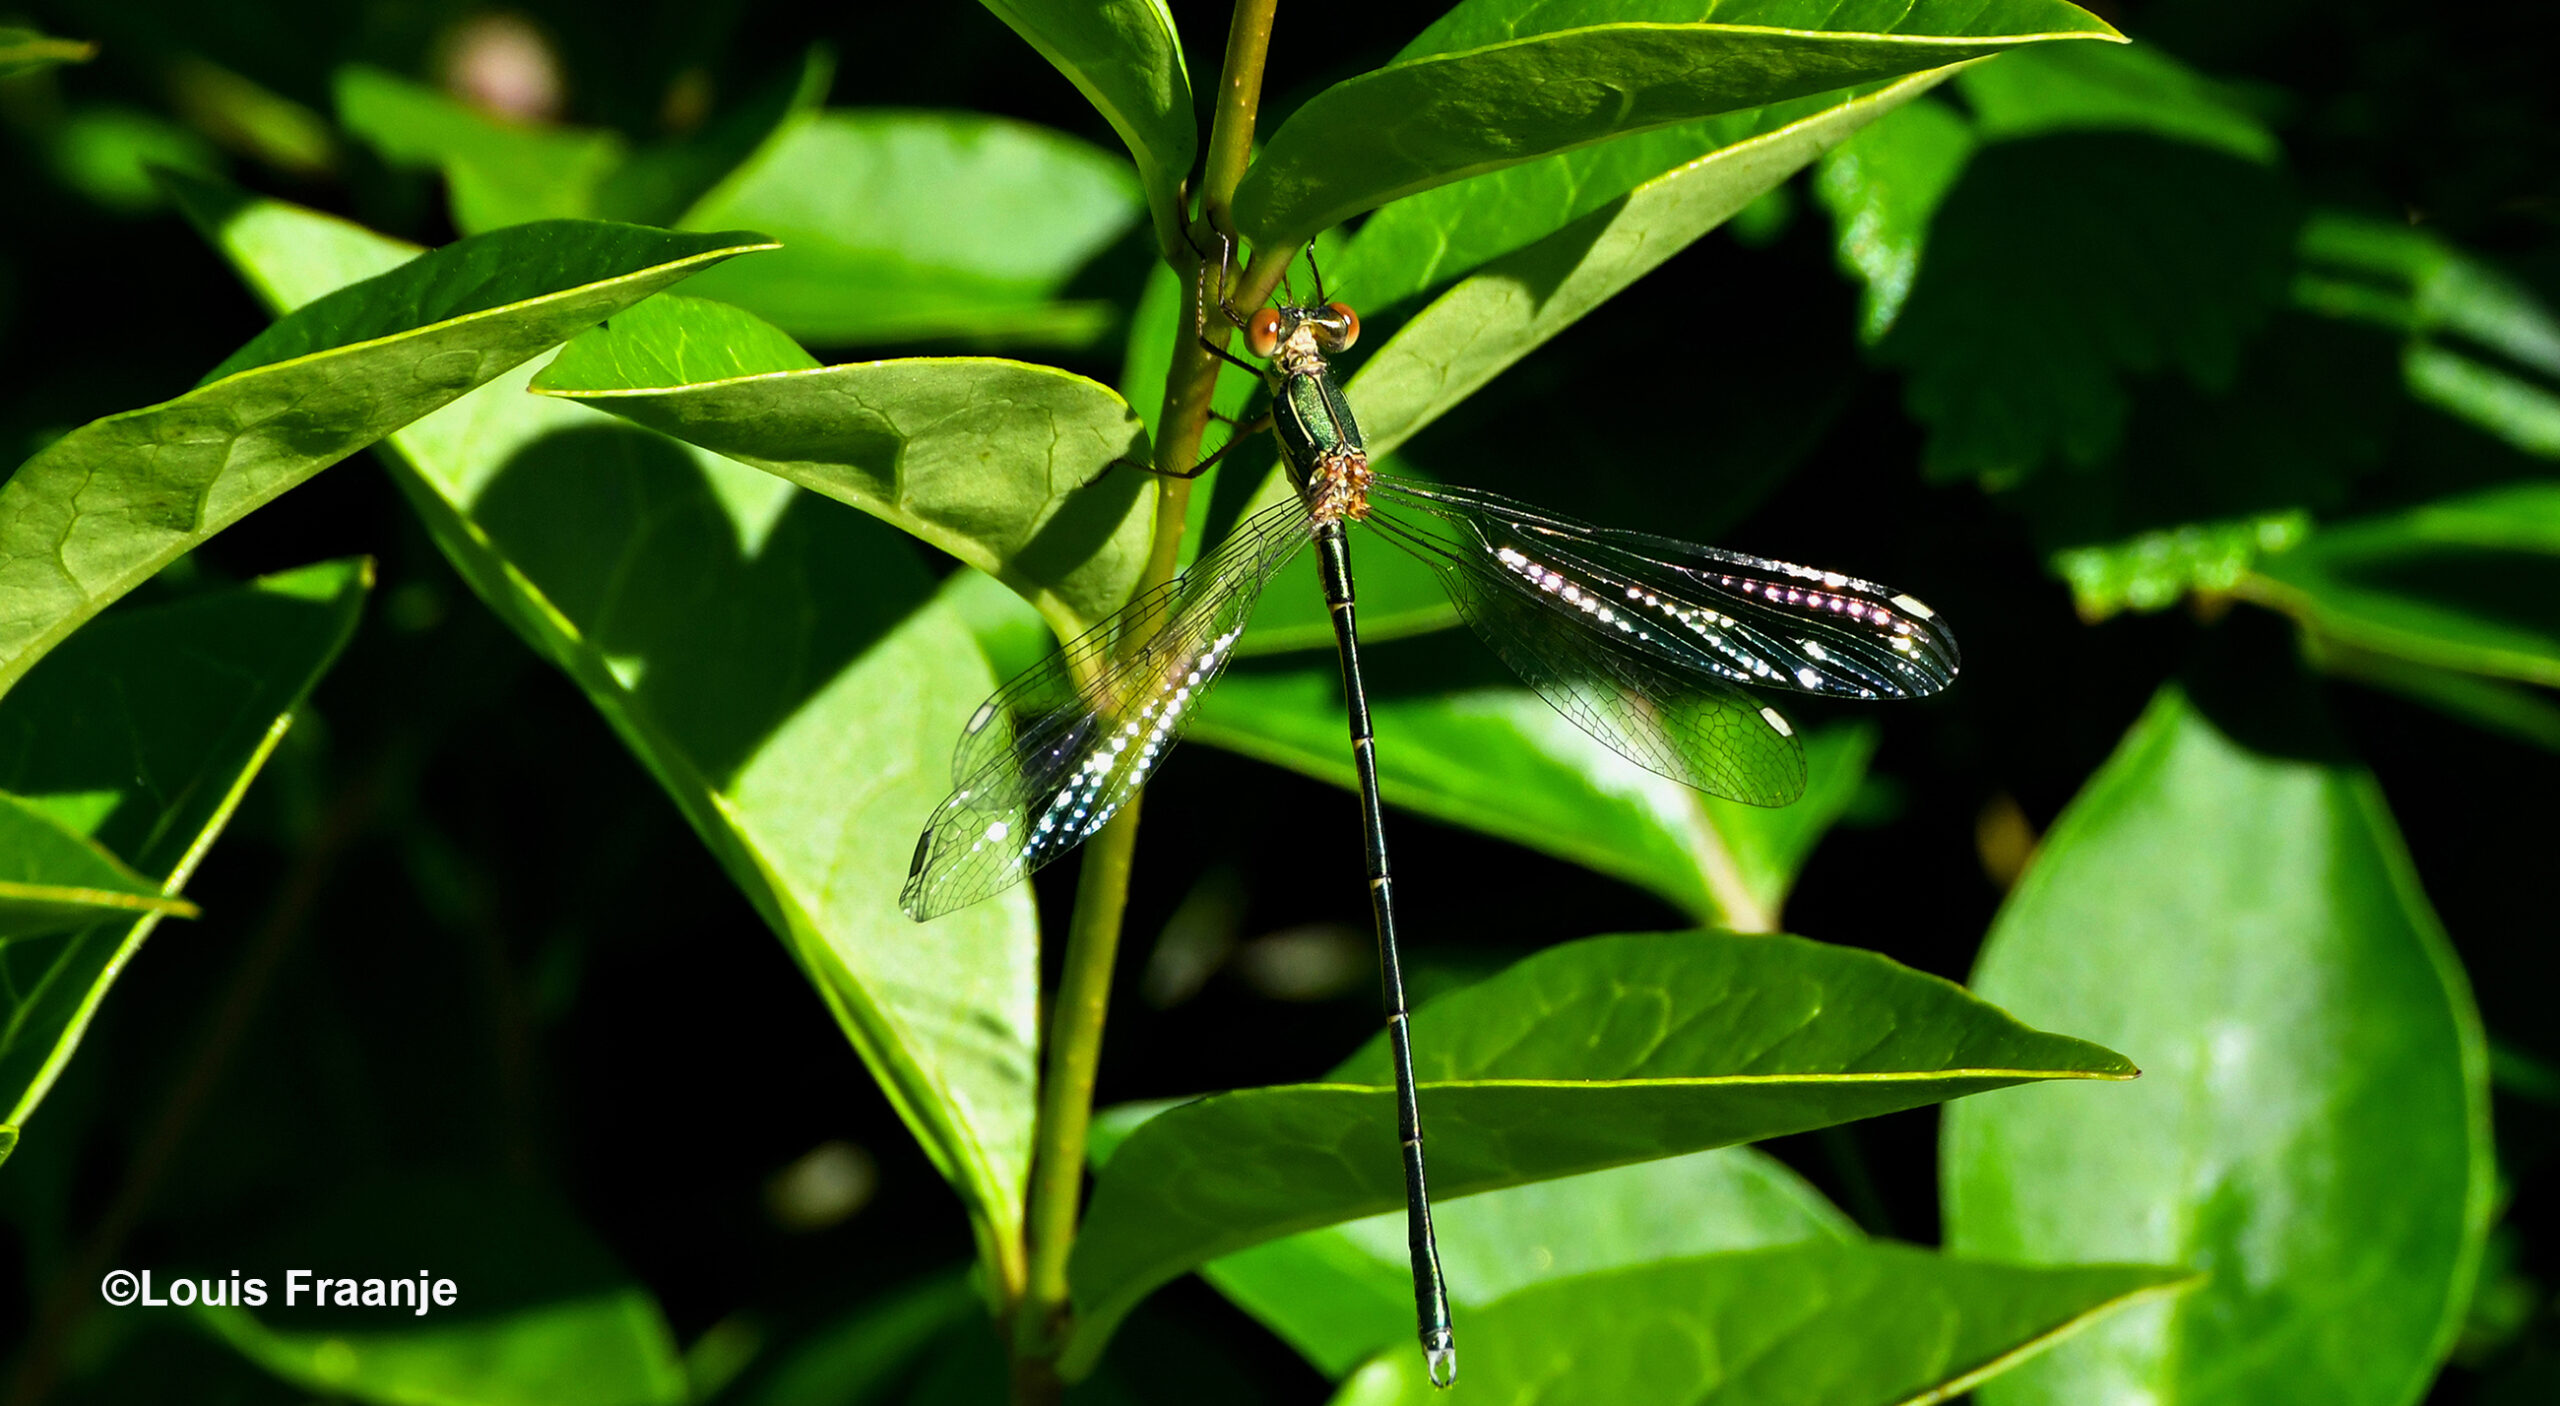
(2232, 906)
(1496, 83)
(105, 506)
(2157, 569)
(1504, 762)
(1339, 1294)
(1494, 317)
(904, 225)
(540, 1314)
(1125, 57)
(781, 667)
(1004, 464)
(2462, 584)
(139, 736)
(54, 879)
(1595, 1054)
(1806, 1325)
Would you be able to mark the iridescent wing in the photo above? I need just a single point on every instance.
(1058, 750)
(1640, 639)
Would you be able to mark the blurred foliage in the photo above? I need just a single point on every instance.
(2208, 384)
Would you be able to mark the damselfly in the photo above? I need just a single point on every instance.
(1642, 641)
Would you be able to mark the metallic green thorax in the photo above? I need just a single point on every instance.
(1308, 413)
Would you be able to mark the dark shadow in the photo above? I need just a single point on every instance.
(2509, 589)
(2248, 679)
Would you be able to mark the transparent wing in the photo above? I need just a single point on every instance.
(1047, 761)
(1690, 607)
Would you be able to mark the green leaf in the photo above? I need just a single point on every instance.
(24, 50)
(1595, 1054)
(139, 736)
(782, 668)
(540, 1316)
(2458, 584)
(2156, 570)
(1495, 84)
(1339, 1294)
(2515, 711)
(497, 173)
(101, 509)
(2109, 88)
(1883, 187)
(2481, 346)
(904, 225)
(866, 1354)
(1491, 319)
(54, 879)
(2064, 266)
(660, 183)
(1003, 464)
(1807, 1325)
(2314, 1128)
(1503, 762)
(1126, 59)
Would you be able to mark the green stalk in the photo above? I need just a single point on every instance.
(1041, 1319)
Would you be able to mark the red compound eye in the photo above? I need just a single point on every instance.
(1340, 330)
(1262, 333)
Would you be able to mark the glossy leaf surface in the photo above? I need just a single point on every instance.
(782, 668)
(1883, 186)
(2312, 1125)
(903, 225)
(1494, 84)
(99, 510)
(1808, 1325)
(1503, 762)
(1339, 1294)
(1596, 1054)
(139, 736)
(1006, 465)
(1125, 57)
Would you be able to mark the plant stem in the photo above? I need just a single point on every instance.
(1102, 890)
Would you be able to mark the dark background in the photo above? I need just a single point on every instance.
(461, 931)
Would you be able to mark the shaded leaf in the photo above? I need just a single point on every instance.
(1494, 84)
(54, 879)
(2112, 88)
(862, 1356)
(2461, 584)
(1339, 1294)
(1126, 59)
(904, 225)
(2314, 1124)
(140, 735)
(497, 172)
(101, 509)
(1595, 1054)
(1503, 762)
(780, 666)
(1883, 187)
(1808, 1325)
(541, 1316)
(24, 50)
(2060, 267)
(1004, 464)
